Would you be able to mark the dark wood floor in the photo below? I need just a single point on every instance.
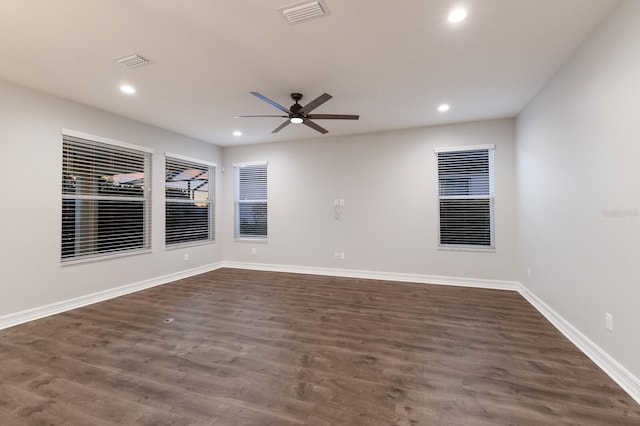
(260, 348)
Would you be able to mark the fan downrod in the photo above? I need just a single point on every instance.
(296, 97)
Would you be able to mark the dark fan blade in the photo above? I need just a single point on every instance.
(333, 117)
(314, 126)
(252, 116)
(269, 101)
(282, 126)
(315, 103)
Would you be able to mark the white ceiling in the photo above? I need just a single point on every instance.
(392, 62)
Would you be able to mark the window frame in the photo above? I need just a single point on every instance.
(76, 137)
(237, 202)
(211, 182)
(490, 148)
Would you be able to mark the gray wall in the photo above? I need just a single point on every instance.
(390, 219)
(578, 175)
(30, 190)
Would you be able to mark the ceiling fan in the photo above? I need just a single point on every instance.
(300, 114)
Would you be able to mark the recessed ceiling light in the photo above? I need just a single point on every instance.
(444, 108)
(296, 120)
(129, 90)
(457, 15)
(237, 133)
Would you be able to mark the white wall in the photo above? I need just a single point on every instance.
(390, 219)
(578, 177)
(30, 189)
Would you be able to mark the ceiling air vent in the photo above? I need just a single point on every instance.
(303, 11)
(133, 60)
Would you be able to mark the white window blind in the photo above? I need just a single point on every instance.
(105, 198)
(465, 192)
(189, 198)
(251, 200)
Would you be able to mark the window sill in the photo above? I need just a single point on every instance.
(100, 258)
(250, 240)
(187, 245)
(476, 249)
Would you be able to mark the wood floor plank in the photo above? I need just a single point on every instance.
(264, 348)
(20, 406)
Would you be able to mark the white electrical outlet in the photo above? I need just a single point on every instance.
(341, 256)
(253, 250)
(529, 271)
(608, 321)
(186, 257)
(336, 203)
(336, 255)
(342, 201)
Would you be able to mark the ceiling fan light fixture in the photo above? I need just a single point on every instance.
(296, 120)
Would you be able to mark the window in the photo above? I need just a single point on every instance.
(189, 197)
(106, 199)
(465, 194)
(251, 200)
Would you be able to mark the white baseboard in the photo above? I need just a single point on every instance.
(610, 366)
(376, 275)
(21, 317)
